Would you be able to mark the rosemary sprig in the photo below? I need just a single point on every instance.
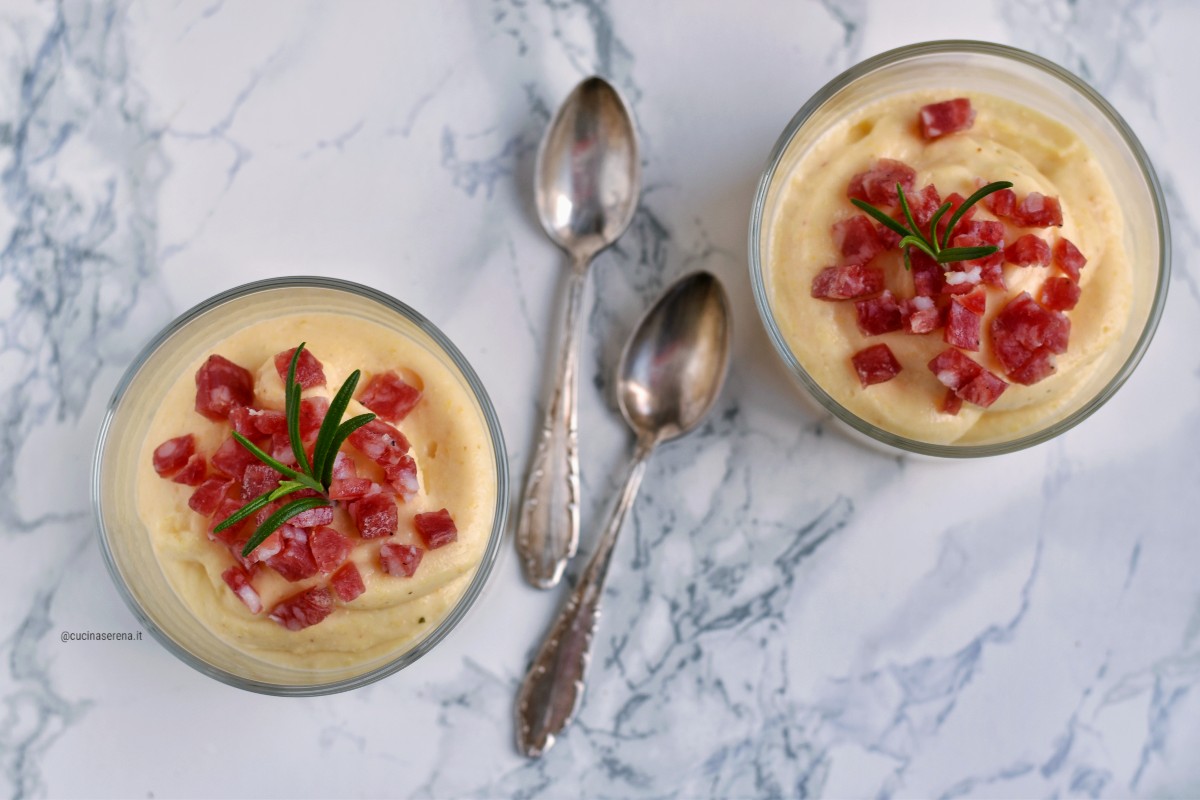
(912, 236)
(313, 477)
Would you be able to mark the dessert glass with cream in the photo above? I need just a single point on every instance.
(1033, 124)
(168, 565)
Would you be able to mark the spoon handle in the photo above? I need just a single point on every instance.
(548, 528)
(553, 687)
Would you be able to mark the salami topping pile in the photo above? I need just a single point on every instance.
(956, 261)
(326, 539)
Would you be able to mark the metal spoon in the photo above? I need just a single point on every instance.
(670, 375)
(586, 190)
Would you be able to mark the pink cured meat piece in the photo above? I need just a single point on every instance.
(329, 548)
(963, 322)
(436, 528)
(303, 609)
(951, 403)
(949, 116)
(877, 185)
(1029, 250)
(234, 537)
(267, 549)
(242, 420)
(1039, 365)
(847, 282)
(222, 386)
(294, 562)
(374, 515)
(390, 397)
(349, 488)
(208, 495)
(922, 205)
(309, 371)
(238, 580)
(280, 449)
(194, 473)
(856, 239)
(1038, 211)
(380, 442)
(269, 422)
(1058, 294)
(875, 364)
(232, 459)
(313, 517)
(983, 390)
(400, 560)
(928, 276)
(344, 466)
(878, 315)
(255, 424)
(1023, 327)
(1001, 203)
(919, 315)
(347, 583)
(173, 454)
(1067, 257)
(964, 222)
(257, 479)
(403, 477)
(312, 414)
(982, 233)
(953, 369)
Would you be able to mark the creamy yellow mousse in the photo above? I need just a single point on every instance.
(450, 444)
(1008, 142)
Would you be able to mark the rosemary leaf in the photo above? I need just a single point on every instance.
(272, 523)
(322, 452)
(293, 413)
(965, 253)
(344, 430)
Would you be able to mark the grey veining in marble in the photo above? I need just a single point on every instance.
(790, 614)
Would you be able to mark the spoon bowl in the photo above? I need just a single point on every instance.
(673, 366)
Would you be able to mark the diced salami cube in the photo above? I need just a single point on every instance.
(877, 185)
(312, 414)
(222, 386)
(329, 548)
(846, 282)
(1068, 258)
(976, 301)
(374, 515)
(963, 323)
(194, 473)
(878, 315)
(436, 528)
(280, 449)
(1058, 294)
(962, 278)
(983, 389)
(267, 549)
(380, 442)
(1022, 327)
(1038, 211)
(856, 239)
(955, 200)
(390, 397)
(888, 238)
(344, 466)
(242, 420)
(949, 116)
(1001, 203)
(1039, 365)
(259, 478)
(239, 581)
(269, 422)
(309, 371)
(313, 517)
(951, 403)
(875, 364)
(304, 609)
(347, 583)
(988, 231)
(232, 459)
(209, 495)
(400, 560)
(953, 369)
(349, 488)
(403, 477)
(919, 315)
(1028, 251)
(928, 275)
(295, 561)
(173, 454)
(235, 536)
(923, 205)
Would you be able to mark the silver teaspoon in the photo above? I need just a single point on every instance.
(670, 375)
(587, 183)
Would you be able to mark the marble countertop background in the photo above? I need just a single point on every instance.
(790, 613)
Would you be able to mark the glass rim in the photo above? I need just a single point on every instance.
(499, 520)
(907, 53)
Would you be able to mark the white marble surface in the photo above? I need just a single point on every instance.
(790, 614)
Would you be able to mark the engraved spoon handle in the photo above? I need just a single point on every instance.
(548, 527)
(553, 687)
